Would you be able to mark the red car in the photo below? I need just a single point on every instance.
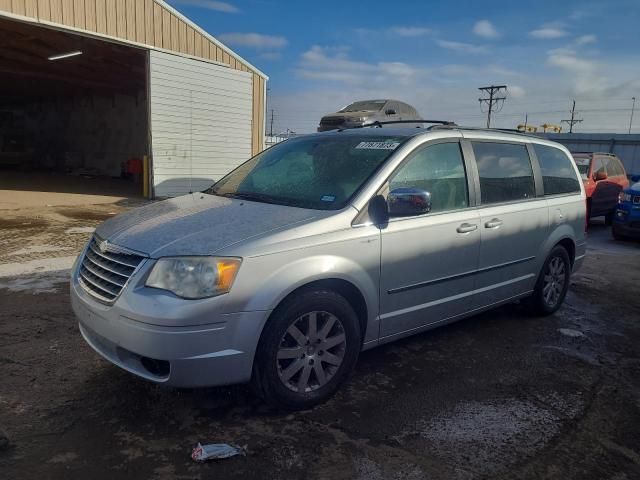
(604, 178)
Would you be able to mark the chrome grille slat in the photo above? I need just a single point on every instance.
(100, 262)
(104, 274)
(96, 282)
(92, 292)
(112, 257)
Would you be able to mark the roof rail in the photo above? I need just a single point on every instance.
(608, 154)
(482, 129)
(379, 124)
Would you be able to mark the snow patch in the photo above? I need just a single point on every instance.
(43, 265)
(76, 230)
(36, 276)
(37, 249)
(570, 332)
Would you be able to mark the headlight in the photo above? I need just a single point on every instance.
(355, 119)
(624, 197)
(194, 277)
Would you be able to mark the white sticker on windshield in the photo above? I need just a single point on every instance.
(378, 145)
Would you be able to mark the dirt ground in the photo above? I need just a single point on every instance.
(502, 395)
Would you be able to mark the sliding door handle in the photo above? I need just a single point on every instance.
(494, 223)
(466, 228)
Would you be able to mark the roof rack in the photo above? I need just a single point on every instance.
(608, 154)
(379, 124)
(482, 129)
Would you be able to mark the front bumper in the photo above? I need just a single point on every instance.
(626, 221)
(219, 352)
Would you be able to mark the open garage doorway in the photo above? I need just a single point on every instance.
(73, 117)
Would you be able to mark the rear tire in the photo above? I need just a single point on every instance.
(308, 348)
(553, 283)
(608, 219)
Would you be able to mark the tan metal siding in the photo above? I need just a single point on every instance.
(144, 22)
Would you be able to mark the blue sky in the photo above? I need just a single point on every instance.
(434, 54)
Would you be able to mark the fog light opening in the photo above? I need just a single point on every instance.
(159, 368)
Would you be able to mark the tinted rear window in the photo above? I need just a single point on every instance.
(505, 172)
(558, 174)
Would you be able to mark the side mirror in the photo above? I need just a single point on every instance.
(378, 210)
(635, 178)
(406, 202)
(600, 176)
(390, 111)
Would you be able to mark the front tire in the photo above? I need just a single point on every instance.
(308, 348)
(553, 282)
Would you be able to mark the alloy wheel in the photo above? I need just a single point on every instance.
(311, 351)
(554, 280)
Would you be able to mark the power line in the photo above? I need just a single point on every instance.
(573, 120)
(493, 100)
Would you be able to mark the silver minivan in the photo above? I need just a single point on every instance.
(327, 245)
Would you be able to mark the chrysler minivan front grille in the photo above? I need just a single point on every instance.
(105, 270)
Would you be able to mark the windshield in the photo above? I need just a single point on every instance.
(365, 106)
(583, 164)
(318, 172)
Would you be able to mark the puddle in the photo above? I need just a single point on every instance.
(22, 223)
(82, 214)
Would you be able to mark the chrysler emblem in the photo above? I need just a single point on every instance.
(103, 246)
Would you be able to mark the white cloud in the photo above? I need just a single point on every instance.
(270, 56)
(210, 5)
(461, 47)
(549, 31)
(516, 91)
(405, 31)
(584, 73)
(253, 40)
(485, 29)
(334, 64)
(585, 39)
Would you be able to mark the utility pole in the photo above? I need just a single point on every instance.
(526, 117)
(633, 106)
(573, 120)
(271, 129)
(492, 101)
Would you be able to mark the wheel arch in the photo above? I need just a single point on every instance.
(345, 288)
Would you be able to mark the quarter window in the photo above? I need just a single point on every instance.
(439, 170)
(558, 174)
(505, 172)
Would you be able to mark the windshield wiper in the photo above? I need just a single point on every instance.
(258, 197)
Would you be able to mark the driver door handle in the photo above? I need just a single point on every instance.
(494, 223)
(466, 228)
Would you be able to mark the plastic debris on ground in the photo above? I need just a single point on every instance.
(215, 451)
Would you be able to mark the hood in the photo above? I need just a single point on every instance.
(197, 224)
(634, 189)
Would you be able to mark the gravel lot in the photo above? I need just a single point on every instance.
(500, 395)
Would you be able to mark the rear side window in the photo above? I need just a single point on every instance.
(614, 169)
(558, 174)
(505, 172)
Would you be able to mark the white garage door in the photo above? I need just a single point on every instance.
(200, 122)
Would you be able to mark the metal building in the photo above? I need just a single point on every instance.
(93, 87)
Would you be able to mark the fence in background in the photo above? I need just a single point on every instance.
(625, 146)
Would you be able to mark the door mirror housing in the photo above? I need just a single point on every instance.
(600, 176)
(407, 202)
(390, 111)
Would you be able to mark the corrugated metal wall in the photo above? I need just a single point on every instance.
(625, 146)
(201, 122)
(144, 22)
